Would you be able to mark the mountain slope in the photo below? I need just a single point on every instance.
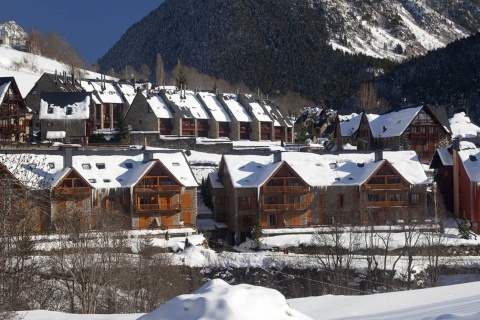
(17, 35)
(288, 45)
(447, 76)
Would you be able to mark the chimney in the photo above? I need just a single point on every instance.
(277, 156)
(67, 157)
(378, 155)
(147, 156)
(56, 76)
(73, 76)
(456, 144)
(65, 77)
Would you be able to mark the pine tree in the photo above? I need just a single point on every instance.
(464, 229)
(160, 70)
(257, 234)
(122, 133)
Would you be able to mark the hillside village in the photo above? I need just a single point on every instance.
(204, 172)
(368, 168)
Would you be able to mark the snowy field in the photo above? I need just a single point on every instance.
(219, 301)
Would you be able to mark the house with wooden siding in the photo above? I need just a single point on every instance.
(139, 190)
(292, 189)
(14, 118)
(422, 128)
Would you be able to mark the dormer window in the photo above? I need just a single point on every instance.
(175, 164)
(50, 110)
(92, 180)
(106, 180)
(86, 166)
(128, 165)
(69, 110)
(100, 165)
(51, 165)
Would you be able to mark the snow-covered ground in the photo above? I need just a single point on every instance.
(218, 300)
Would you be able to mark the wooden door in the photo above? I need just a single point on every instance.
(144, 221)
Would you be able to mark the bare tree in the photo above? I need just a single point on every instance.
(366, 97)
(145, 72)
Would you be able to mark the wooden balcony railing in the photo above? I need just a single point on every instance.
(385, 186)
(386, 204)
(72, 191)
(158, 188)
(285, 206)
(158, 207)
(286, 189)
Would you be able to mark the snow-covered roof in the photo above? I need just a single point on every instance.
(107, 91)
(470, 159)
(159, 107)
(188, 102)
(445, 156)
(236, 108)
(102, 171)
(319, 170)
(462, 127)
(66, 106)
(392, 124)
(56, 134)
(3, 90)
(128, 91)
(214, 106)
(215, 180)
(349, 123)
(259, 113)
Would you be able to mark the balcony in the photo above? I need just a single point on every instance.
(158, 207)
(72, 191)
(384, 186)
(284, 207)
(386, 204)
(158, 188)
(284, 189)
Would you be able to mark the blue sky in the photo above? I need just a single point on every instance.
(90, 26)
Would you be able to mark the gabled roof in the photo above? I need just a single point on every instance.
(259, 112)
(276, 115)
(7, 83)
(4, 85)
(349, 123)
(63, 81)
(470, 159)
(186, 104)
(106, 91)
(322, 170)
(443, 157)
(102, 171)
(214, 106)
(158, 106)
(393, 123)
(128, 91)
(64, 105)
(236, 107)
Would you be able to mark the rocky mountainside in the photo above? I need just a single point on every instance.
(293, 45)
(17, 35)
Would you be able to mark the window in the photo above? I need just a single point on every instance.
(128, 165)
(394, 180)
(51, 165)
(245, 203)
(69, 111)
(106, 180)
(415, 198)
(394, 197)
(246, 221)
(139, 121)
(373, 197)
(50, 110)
(377, 180)
(293, 199)
(272, 220)
(110, 203)
(92, 180)
(100, 165)
(322, 201)
(340, 200)
(86, 166)
(175, 164)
